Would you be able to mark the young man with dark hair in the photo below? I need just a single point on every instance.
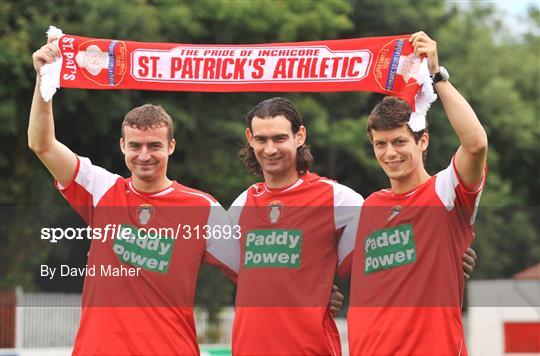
(139, 300)
(291, 240)
(396, 112)
(407, 276)
(269, 109)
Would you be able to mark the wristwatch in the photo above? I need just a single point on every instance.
(442, 75)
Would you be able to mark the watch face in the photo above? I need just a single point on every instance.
(444, 73)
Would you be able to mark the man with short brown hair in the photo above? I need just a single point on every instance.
(407, 274)
(139, 300)
(149, 116)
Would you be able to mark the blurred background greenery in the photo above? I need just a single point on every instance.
(493, 62)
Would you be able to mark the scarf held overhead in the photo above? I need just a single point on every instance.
(379, 64)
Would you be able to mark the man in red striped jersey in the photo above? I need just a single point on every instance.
(149, 312)
(292, 240)
(406, 284)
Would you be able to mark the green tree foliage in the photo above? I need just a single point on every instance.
(497, 72)
(209, 129)
(500, 76)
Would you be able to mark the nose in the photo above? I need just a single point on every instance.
(144, 155)
(390, 150)
(270, 148)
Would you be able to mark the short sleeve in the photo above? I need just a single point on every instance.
(88, 185)
(452, 192)
(223, 246)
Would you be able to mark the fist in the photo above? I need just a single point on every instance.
(48, 53)
(426, 47)
(336, 301)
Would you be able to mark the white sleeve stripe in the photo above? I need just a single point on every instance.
(334, 185)
(237, 206)
(445, 187)
(347, 207)
(347, 240)
(476, 204)
(95, 180)
(345, 200)
(225, 250)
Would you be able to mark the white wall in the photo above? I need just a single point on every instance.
(491, 304)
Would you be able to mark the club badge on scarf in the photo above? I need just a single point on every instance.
(380, 64)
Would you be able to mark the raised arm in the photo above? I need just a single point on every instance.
(471, 156)
(58, 159)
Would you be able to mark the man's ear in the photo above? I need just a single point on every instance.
(172, 146)
(300, 136)
(249, 136)
(424, 141)
(122, 145)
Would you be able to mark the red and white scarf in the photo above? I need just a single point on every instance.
(378, 64)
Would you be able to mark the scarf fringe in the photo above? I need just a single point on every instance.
(50, 72)
(423, 99)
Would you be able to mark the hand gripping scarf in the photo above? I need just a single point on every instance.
(377, 64)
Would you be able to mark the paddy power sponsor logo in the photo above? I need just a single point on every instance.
(389, 248)
(152, 253)
(273, 248)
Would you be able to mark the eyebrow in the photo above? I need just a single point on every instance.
(272, 137)
(135, 143)
(401, 137)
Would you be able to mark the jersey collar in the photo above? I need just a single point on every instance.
(159, 193)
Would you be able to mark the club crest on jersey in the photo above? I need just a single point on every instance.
(145, 213)
(275, 210)
(394, 212)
